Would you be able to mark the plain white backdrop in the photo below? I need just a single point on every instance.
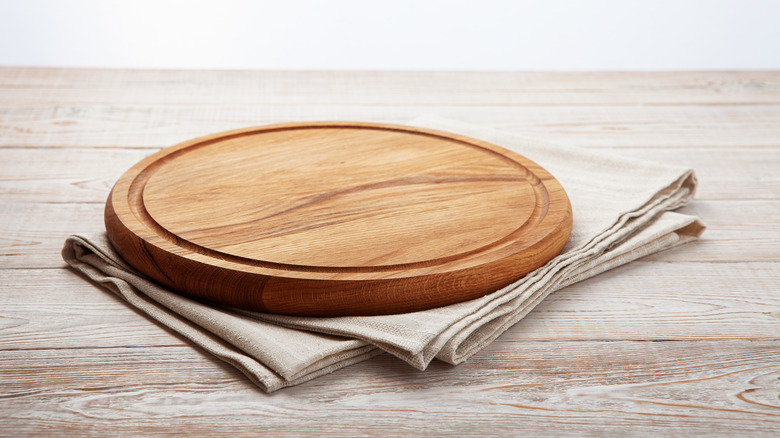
(393, 35)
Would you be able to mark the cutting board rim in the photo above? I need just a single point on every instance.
(123, 218)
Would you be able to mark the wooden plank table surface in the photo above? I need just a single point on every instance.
(682, 342)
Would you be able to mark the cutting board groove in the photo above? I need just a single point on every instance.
(337, 218)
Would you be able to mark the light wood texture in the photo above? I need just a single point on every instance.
(737, 231)
(155, 126)
(76, 175)
(684, 342)
(657, 301)
(534, 387)
(337, 218)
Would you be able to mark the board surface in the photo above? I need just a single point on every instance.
(337, 218)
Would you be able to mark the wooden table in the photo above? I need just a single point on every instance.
(685, 340)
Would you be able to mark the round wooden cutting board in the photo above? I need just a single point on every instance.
(337, 218)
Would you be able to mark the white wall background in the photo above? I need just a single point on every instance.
(398, 34)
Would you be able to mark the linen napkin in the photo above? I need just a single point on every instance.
(621, 212)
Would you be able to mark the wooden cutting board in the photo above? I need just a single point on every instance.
(337, 218)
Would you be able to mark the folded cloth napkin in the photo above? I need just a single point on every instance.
(621, 212)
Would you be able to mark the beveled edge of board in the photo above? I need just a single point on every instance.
(136, 240)
(133, 188)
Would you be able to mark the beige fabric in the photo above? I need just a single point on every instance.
(621, 212)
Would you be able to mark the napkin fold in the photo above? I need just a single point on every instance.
(621, 212)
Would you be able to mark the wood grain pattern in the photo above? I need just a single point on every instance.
(141, 126)
(681, 343)
(645, 388)
(639, 302)
(86, 175)
(337, 218)
(31, 86)
(738, 230)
